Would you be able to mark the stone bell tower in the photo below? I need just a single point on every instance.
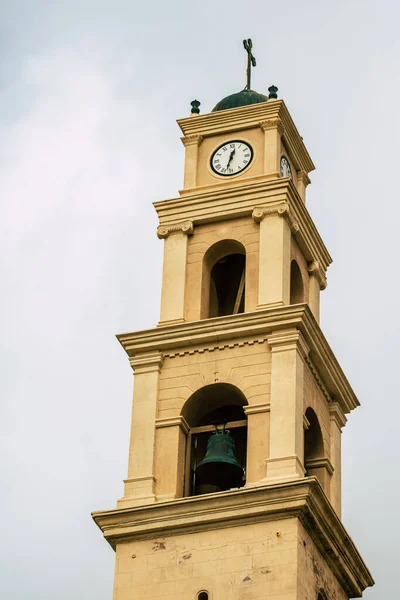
(238, 343)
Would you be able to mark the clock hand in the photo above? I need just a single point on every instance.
(230, 157)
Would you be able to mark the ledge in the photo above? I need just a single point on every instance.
(247, 117)
(186, 336)
(214, 205)
(303, 499)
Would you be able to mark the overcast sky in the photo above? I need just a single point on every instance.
(90, 91)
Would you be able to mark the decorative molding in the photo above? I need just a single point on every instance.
(320, 463)
(337, 415)
(303, 499)
(274, 123)
(255, 409)
(318, 379)
(303, 177)
(282, 209)
(315, 270)
(163, 231)
(144, 478)
(192, 140)
(146, 363)
(259, 325)
(173, 422)
(213, 348)
(282, 342)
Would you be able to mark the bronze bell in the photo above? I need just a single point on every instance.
(219, 470)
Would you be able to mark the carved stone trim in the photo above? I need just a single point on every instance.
(173, 422)
(281, 342)
(192, 140)
(186, 227)
(282, 209)
(306, 423)
(318, 463)
(147, 363)
(213, 348)
(303, 177)
(255, 409)
(274, 123)
(337, 415)
(315, 270)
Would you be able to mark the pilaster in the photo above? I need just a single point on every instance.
(317, 283)
(273, 129)
(337, 422)
(285, 460)
(191, 143)
(276, 227)
(258, 426)
(139, 485)
(170, 445)
(174, 271)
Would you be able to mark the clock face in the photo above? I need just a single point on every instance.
(231, 158)
(286, 171)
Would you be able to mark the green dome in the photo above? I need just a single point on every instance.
(242, 98)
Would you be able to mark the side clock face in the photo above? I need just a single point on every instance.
(231, 158)
(286, 171)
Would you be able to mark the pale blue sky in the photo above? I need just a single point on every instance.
(89, 95)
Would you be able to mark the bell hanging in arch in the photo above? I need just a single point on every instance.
(219, 470)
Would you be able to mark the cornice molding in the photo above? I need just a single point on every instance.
(202, 349)
(314, 269)
(303, 499)
(164, 231)
(282, 209)
(318, 380)
(249, 117)
(303, 177)
(192, 140)
(217, 204)
(257, 325)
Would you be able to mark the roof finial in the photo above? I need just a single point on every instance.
(195, 107)
(273, 91)
(251, 60)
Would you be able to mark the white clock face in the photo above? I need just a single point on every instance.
(231, 158)
(286, 171)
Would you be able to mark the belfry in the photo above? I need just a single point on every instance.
(233, 488)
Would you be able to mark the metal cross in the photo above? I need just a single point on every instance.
(251, 60)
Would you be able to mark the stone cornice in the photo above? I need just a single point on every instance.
(219, 331)
(336, 414)
(248, 117)
(242, 200)
(185, 227)
(314, 268)
(319, 463)
(255, 409)
(146, 363)
(284, 341)
(303, 499)
(173, 422)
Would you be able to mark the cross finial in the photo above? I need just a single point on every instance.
(251, 60)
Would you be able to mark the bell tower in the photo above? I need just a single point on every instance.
(234, 476)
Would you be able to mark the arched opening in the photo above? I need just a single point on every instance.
(322, 595)
(224, 279)
(296, 284)
(216, 406)
(202, 596)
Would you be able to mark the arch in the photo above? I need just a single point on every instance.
(313, 441)
(202, 595)
(223, 279)
(322, 595)
(217, 403)
(296, 284)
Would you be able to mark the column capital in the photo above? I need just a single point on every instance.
(282, 209)
(288, 340)
(192, 140)
(315, 269)
(147, 363)
(303, 177)
(254, 409)
(173, 422)
(337, 415)
(274, 123)
(163, 231)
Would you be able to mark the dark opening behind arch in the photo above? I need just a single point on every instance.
(296, 284)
